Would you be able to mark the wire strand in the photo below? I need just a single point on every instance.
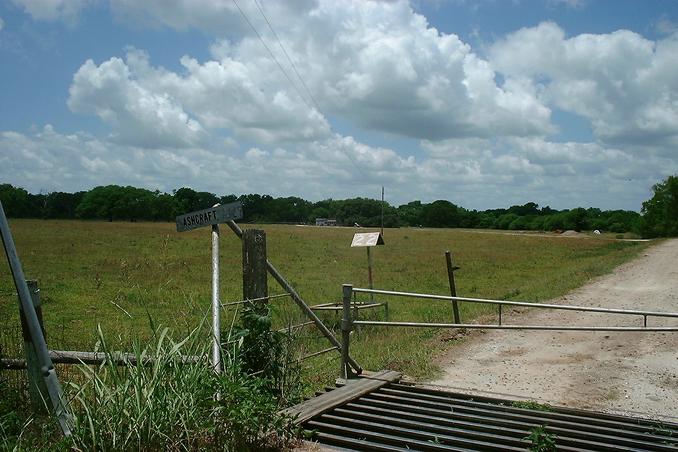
(270, 52)
(294, 66)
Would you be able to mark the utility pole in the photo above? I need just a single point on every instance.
(382, 210)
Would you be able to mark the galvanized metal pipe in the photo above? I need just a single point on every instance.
(46, 366)
(216, 304)
(517, 327)
(346, 327)
(321, 352)
(518, 303)
(269, 297)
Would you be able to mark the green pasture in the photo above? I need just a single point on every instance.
(120, 275)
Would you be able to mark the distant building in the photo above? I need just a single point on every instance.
(325, 222)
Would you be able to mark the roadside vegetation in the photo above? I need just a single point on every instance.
(168, 402)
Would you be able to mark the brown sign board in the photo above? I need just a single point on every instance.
(367, 239)
(207, 217)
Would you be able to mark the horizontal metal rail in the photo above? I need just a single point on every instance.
(318, 353)
(519, 303)
(295, 327)
(517, 327)
(93, 358)
(269, 297)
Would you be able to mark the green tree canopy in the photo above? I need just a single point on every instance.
(660, 213)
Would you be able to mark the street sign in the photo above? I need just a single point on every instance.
(206, 217)
(367, 239)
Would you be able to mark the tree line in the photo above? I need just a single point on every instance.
(126, 203)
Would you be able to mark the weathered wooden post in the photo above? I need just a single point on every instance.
(453, 288)
(36, 383)
(346, 327)
(254, 269)
(257, 353)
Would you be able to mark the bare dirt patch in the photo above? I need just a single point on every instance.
(623, 372)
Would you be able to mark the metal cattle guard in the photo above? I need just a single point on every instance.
(206, 217)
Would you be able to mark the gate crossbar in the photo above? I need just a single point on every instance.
(347, 322)
(519, 303)
(518, 327)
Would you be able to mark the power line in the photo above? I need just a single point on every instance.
(272, 55)
(242, 13)
(294, 66)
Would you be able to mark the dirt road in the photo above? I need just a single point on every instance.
(622, 372)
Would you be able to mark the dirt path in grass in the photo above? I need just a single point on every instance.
(623, 372)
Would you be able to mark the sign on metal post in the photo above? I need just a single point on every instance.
(220, 213)
(212, 217)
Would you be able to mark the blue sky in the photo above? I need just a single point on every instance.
(485, 103)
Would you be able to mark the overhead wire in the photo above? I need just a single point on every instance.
(242, 13)
(294, 66)
(270, 52)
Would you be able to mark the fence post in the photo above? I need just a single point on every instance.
(346, 327)
(40, 346)
(36, 383)
(453, 288)
(255, 286)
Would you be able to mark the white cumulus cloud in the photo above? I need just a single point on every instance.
(53, 10)
(139, 113)
(378, 64)
(623, 83)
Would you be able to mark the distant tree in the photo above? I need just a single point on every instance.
(660, 213)
(61, 205)
(506, 220)
(441, 214)
(576, 219)
(15, 201)
(410, 214)
(188, 200)
(529, 208)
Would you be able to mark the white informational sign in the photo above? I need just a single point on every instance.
(367, 239)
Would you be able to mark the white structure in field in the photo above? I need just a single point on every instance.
(325, 222)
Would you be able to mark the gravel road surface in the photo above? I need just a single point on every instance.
(634, 373)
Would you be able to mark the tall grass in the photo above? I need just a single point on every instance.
(165, 403)
(114, 274)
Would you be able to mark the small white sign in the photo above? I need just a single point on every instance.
(367, 239)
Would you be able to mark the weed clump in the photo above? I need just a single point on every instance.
(161, 400)
(542, 441)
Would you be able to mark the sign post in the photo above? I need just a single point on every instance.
(206, 217)
(368, 240)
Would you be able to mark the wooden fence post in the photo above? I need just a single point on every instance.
(36, 383)
(257, 352)
(254, 268)
(453, 288)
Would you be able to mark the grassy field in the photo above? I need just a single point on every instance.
(121, 274)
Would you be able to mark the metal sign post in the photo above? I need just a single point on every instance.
(216, 312)
(206, 217)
